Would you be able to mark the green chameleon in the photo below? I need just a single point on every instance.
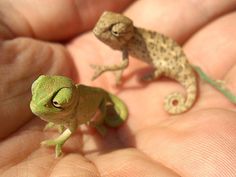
(65, 105)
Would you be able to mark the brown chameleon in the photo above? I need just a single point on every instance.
(158, 50)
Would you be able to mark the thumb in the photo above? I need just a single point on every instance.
(19, 66)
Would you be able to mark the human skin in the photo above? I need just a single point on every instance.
(200, 142)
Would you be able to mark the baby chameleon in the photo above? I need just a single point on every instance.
(61, 103)
(163, 53)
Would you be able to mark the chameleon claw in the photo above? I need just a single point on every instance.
(51, 125)
(102, 130)
(58, 146)
(98, 70)
(49, 143)
(118, 75)
(58, 151)
(147, 77)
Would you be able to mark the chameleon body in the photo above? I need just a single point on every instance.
(163, 53)
(57, 100)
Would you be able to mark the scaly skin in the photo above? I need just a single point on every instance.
(65, 106)
(163, 53)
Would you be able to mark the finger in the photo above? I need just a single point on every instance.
(177, 19)
(19, 66)
(51, 20)
(72, 165)
(129, 162)
(214, 48)
(42, 160)
(49, 166)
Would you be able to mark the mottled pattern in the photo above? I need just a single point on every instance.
(160, 51)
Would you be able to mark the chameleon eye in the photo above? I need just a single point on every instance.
(115, 30)
(62, 98)
(56, 104)
(114, 33)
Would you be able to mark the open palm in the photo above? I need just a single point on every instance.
(200, 142)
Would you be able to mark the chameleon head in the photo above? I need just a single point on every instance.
(114, 29)
(53, 98)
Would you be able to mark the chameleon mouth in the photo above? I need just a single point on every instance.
(35, 109)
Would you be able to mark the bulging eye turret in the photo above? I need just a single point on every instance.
(62, 98)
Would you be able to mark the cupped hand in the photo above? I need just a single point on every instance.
(44, 38)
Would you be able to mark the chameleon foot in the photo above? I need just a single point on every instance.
(101, 69)
(102, 130)
(147, 77)
(50, 125)
(98, 70)
(118, 75)
(58, 146)
(113, 117)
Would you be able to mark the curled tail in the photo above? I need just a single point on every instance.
(117, 112)
(176, 103)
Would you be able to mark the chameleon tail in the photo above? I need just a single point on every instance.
(117, 112)
(176, 103)
(221, 88)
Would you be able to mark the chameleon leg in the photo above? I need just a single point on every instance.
(118, 75)
(51, 125)
(58, 142)
(120, 67)
(99, 122)
(151, 76)
(216, 84)
(116, 113)
(102, 130)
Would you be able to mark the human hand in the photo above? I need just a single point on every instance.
(151, 143)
